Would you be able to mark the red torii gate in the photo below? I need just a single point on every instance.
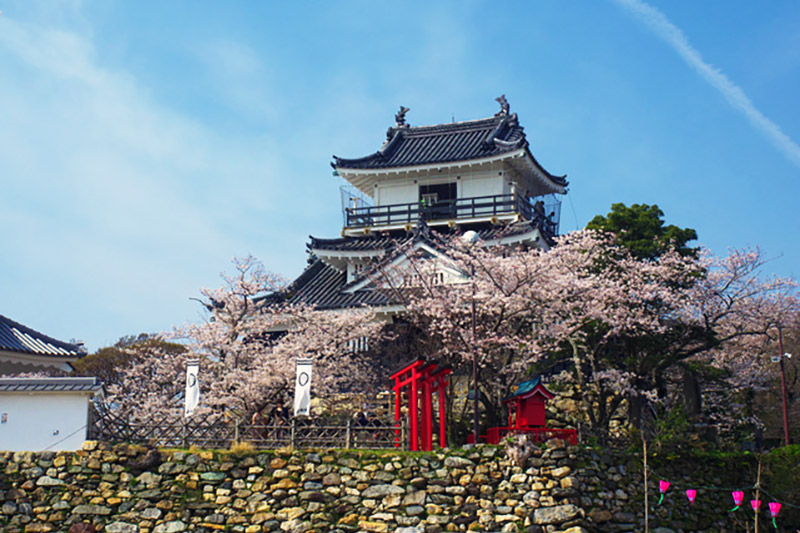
(421, 380)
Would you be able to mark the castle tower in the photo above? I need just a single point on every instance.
(460, 174)
(477, 175)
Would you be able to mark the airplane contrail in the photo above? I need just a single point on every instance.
(673, 36)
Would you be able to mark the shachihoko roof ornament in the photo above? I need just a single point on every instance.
(400, 117)
(504, 107)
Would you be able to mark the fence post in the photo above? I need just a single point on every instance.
(348, 436)
(183, 433)
(403, 438)
(90, 420)
(235, 431)
(291, 433)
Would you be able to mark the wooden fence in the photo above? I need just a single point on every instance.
(221, 433)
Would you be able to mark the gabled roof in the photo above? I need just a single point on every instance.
(50, 385)
(447, 143)
(325, 286)
(528, 388)
(14, 337)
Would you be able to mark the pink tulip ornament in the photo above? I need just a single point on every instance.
(663, 486)
(738, 498)
(755, 504)
(691, 494)
(774, 509)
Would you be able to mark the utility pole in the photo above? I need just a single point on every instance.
(475, 366)
(470, 238)
(783, 389)
(646, 488)
(758, 496)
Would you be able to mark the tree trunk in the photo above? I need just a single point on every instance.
(692, 395)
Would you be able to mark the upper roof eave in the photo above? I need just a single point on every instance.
(558, 184)
(560, 181)
(346, 171)
(450, 145)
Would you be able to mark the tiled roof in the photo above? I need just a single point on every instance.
(367, 244)
(526, 387)
(395, 239)
(445, 143)
(15, 337)
(50, 384)
(320, 285)
(323, 286)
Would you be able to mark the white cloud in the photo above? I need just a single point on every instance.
(109, 196)
(673, 36)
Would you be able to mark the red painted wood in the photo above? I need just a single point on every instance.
(427, 441)
(441, 383)
(495, 435)
(413, 412)
(420, 380)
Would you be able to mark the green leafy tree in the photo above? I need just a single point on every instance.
(107, 362)
(641, 229)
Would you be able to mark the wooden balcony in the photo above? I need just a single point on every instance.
(476, 208)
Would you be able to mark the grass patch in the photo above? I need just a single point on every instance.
(242, 449)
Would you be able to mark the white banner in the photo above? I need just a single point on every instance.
(192, 395)
(302, 388)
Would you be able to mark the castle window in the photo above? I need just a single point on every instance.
(437, 194)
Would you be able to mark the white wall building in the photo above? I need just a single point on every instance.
(45, 414)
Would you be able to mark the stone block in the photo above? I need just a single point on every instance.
(557, 514)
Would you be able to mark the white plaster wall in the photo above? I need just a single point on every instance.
(488, 184)
(37, 421)
(397, 193)
(405, 190)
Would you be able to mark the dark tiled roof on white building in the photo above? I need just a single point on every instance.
(50, 385)
(14, 337)
(446, 143)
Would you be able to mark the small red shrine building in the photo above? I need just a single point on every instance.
(526, 407)
(527, 414)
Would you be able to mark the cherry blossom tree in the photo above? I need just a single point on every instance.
(621, 324)
(149, 380)
(247, 345)
(444, 288)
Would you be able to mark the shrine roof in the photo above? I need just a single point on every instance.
(527, 387)
(14, 337)
(408, 146)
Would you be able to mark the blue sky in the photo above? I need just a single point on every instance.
(145, 144)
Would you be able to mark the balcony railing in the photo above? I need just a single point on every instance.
(459, 208)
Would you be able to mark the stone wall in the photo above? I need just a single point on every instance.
(129, 489)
